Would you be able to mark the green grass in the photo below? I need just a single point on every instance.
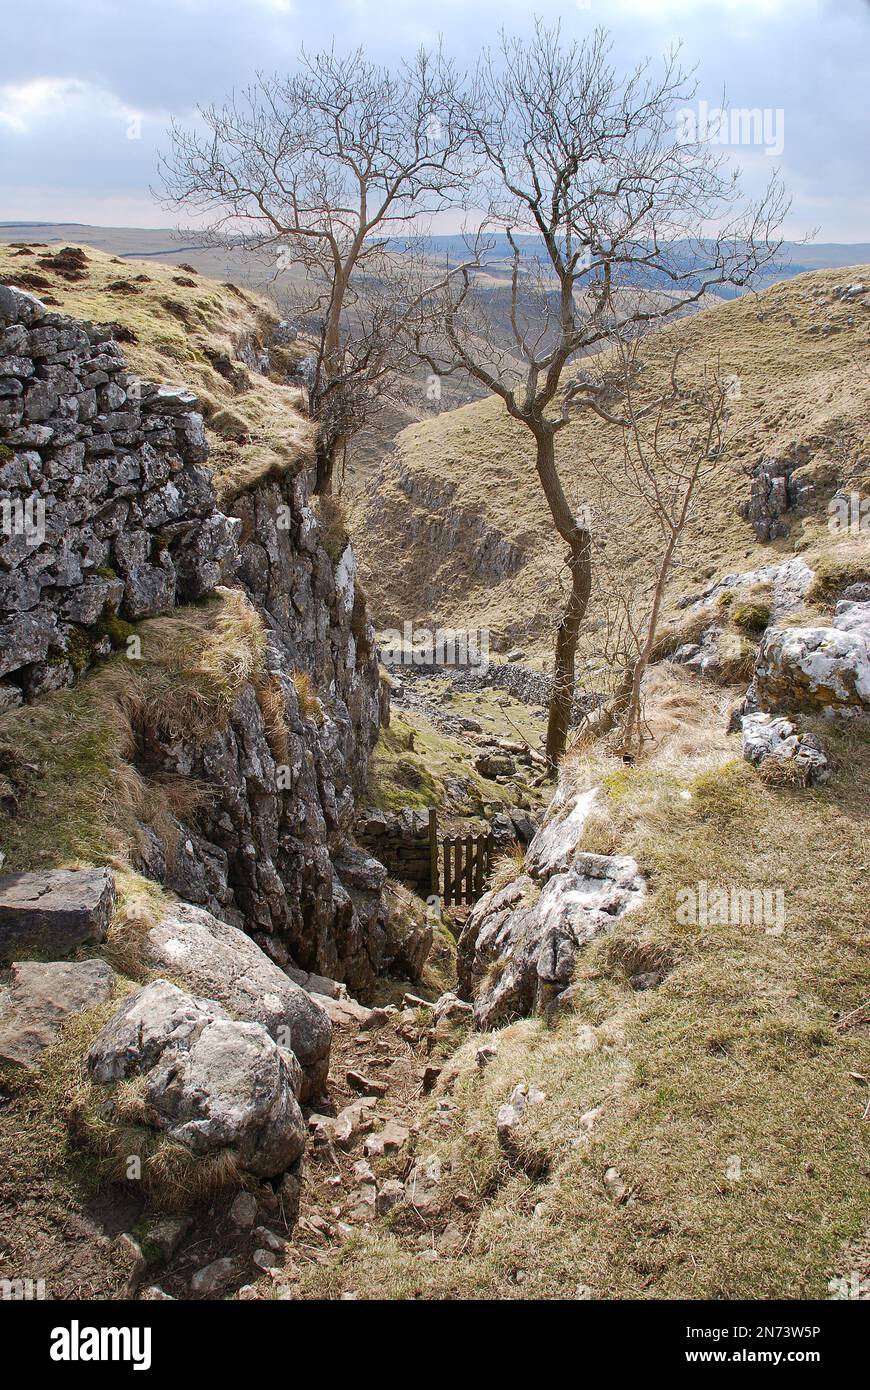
(68, 776)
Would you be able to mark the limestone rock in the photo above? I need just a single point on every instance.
(40, 997)
(243, 1212)
(423, 1188)
(213, 1278)
(510, 1114)
(553, 847)
(54, 910)
(211, 1083)
(518, 948)
(220, 962)
(817, 668)
(768, 741)
(389, 1140)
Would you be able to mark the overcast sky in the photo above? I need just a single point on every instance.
(79, 78)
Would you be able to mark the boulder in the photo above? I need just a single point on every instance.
(817, 668)
(54, 910)
(774, 744)
(210, 1083)
(40, 997)
(495, 765)
(221, 962)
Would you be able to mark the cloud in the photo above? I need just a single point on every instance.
(87, 91)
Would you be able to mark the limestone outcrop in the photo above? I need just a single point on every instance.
(817, 668)
(116, 469)
(222, 963)
(519, 947)
(776, 747)
(108, 513)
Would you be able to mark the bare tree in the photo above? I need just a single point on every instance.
(667, 455)
(328, 169)
(628, 226)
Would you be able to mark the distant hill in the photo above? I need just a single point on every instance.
(461, 492)
(163, 244)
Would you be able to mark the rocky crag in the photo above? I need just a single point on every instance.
(110, 517)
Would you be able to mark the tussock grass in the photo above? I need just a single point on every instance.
(505, 868)
(309, 702)
(105, 1126)
(332, 516)
(835, 573)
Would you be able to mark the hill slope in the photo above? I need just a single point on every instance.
(183, 330)
(461, 489)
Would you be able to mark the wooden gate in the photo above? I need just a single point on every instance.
(464, 864)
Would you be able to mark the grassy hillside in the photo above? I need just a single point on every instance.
(178, 328)
(703, 1139)
(803, 362)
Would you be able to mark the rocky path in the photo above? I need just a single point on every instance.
(361, 1162)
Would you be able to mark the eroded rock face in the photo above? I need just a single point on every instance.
(272, 851)
(210, 1083)
(817, 668)
(222, 963)
(132, 527)
(107, 510)
(40, 997)
(518, 950)
(780, 486)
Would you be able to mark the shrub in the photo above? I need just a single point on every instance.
(751, 616)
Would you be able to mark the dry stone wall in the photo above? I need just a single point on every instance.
(107, 514)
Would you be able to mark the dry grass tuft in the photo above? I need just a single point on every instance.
(506, 867)
(309, 702)
(273, 707)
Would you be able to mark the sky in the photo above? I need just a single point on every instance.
(87, 87)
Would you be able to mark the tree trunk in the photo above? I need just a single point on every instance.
(325, 460)
(580, 566)
(631, 733)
